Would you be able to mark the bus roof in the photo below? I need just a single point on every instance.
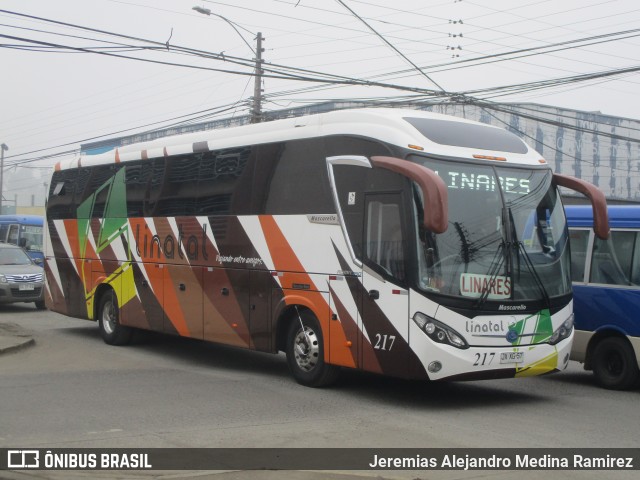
(22, 219)
(620, 216)
(423, 131)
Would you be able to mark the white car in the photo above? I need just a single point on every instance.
(21, 280)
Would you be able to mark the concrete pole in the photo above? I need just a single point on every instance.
(3, 148)
(256, 111)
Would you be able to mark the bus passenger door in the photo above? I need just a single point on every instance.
(385, 303)
(371, 206)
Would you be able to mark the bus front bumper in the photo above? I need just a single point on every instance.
(478, 363)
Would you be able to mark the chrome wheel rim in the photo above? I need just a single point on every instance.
(109, 318)
(306, 349)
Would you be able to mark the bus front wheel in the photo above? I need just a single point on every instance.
(109, 321)
(305, 352)
(614, 364)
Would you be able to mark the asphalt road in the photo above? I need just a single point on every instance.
(70, 389)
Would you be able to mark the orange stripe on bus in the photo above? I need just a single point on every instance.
(284, 258)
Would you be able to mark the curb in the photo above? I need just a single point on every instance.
(13, 338)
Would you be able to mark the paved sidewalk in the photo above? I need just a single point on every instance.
(13, 337)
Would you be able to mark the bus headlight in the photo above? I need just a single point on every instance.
(563, 331)
(439, 332)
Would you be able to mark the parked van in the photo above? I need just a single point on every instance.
(606, 289)
(24, 231)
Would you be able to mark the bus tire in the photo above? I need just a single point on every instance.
(109, 321)
(40, 305)
(305, 352)
(614, 364)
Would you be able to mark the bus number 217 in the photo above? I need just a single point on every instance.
(384, 342)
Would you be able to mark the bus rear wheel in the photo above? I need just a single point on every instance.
(614, 364)
(109, 321)
(305, 352)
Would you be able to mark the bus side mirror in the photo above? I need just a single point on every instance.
(434, 190)
(595, 196)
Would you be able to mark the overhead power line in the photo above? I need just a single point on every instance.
(381, 37)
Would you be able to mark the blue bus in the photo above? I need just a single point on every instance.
(606, 293)
(24, 231)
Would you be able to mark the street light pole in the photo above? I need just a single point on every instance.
(256, 109)
(3, 148)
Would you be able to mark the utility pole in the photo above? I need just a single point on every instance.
(256, 111)
(3, 148)
(256, 108)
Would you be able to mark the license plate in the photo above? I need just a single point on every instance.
(512, 357)
(26, 286)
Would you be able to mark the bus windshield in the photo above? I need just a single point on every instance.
(507, 236)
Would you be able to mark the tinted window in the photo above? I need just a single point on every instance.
(612, 261)
(352, 184)
(179, 189)
(469, 135)
(137, 176)
(579, 240)
(298, 182)
(204, 183)
(59, 203)
(100, 184)
(384, 240)
(220, 182)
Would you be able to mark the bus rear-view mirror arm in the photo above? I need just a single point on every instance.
(434, 190)
(595, 196)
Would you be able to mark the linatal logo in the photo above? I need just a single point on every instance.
(23, 459)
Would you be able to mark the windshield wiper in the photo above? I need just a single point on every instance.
(494, 270)
(520, 247)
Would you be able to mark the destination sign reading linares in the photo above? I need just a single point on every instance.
(490, 462)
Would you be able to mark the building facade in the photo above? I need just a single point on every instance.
(602, 149)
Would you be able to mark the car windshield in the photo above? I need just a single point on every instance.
(507, 237)
(13, 256)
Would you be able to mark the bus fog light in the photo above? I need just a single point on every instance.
(434, 367)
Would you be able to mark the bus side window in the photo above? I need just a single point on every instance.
(579, 240)
(635, 262)
(98, 183)
(299, 182)
(179, 191)
(384, 242)
(611, 262)
(224, 182)
(13, 234)
(60, 201)
(137, 176)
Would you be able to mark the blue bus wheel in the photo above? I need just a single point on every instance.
(614, 364)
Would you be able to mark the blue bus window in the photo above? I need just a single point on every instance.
(579, 243)
(611, 262)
